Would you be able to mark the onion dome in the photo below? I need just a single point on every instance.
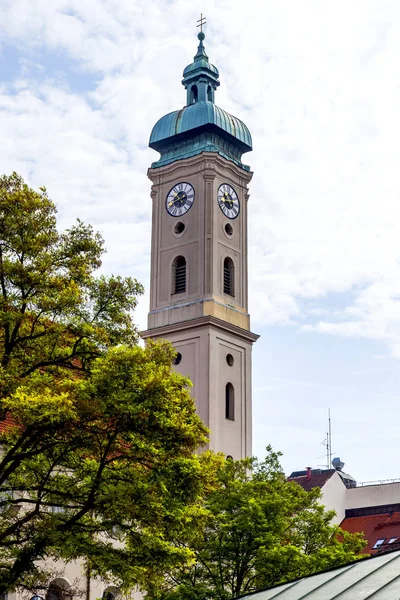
(200, 126)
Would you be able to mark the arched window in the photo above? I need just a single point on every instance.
(59, 589)
(179, 275)
(229, 402)
(194, 94)
(229, 277)
(111, 593)
(209, 93)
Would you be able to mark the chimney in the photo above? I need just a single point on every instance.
(308, 476)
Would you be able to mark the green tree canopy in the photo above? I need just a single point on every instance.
(97, 435)
(261, 530)
(55, 313)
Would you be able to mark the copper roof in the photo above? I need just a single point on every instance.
(377, 577)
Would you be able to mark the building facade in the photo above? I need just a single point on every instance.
(372, 508)
(199, 274)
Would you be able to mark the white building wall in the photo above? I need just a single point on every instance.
(373, 495)
(72, 576)
(334, 497)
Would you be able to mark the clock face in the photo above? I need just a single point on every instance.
(180, 199)
(228, 201)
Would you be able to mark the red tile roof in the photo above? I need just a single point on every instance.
(375, 527)
(6, 423)
(316, 478)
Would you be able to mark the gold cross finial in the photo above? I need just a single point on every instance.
(202, 21)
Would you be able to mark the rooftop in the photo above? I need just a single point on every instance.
(376, 577)
(381, 530)
(311, 478)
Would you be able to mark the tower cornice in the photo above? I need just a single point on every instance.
(206, 321)
(210, 162)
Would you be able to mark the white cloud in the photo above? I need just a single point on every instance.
(317, 83)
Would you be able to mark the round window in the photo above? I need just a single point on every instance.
(230, 360)
(229, 229)
(179, 228)
(177, 359)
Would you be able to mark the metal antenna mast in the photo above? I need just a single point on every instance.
(329, 445)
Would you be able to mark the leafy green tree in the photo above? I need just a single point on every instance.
(261, 530)
(97, 435)
(112, 454)
(55, 314)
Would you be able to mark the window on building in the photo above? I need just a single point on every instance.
(209, 93)
(5, 497)
(379, 543)
(229, 402)
(230, 360)
(59, 589)
(228, 229)
(177, 359)
(179, 275)
(54, 593)
(58, 509)
(111, 593)
(229, 277)
(194, 94)
(393, 540)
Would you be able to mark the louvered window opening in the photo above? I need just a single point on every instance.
(228, 277)
(180, 276)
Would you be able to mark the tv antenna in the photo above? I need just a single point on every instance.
(327, 442)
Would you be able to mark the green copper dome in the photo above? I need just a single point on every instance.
(201, 126)
(203, 64)
(198, 115)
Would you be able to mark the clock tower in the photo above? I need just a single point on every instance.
(198, 283)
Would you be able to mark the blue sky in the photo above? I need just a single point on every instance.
(318, 84)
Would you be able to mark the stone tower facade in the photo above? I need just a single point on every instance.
(198, 285)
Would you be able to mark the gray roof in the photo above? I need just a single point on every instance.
(375, 578)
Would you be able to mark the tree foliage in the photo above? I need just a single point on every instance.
(107, 455)
(55, 313)
(261, 530)
(97, 434)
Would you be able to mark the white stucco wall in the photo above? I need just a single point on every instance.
(72, 576)
(373, 495)
(334, 497)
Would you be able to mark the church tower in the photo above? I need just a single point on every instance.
(198, 283)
